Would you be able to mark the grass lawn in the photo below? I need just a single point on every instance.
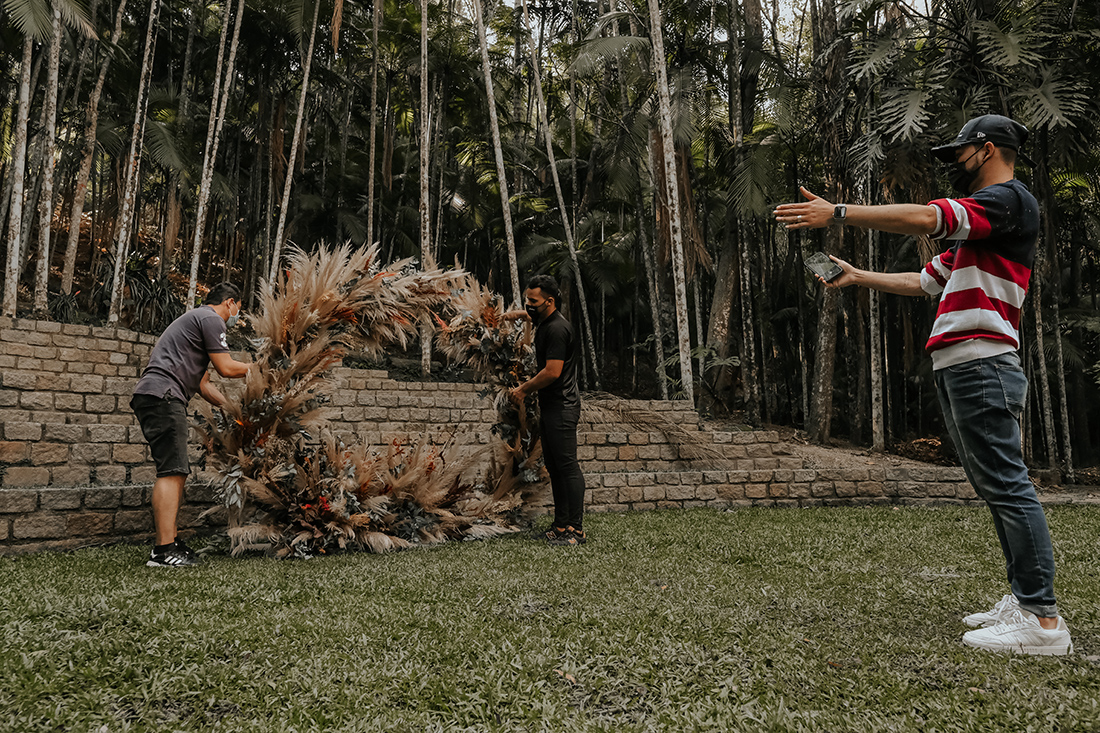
(763, 619)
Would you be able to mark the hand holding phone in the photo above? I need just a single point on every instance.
(819, 264)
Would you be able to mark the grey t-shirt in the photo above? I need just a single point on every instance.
(182, 354)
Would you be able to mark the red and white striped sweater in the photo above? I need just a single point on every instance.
(984, 275)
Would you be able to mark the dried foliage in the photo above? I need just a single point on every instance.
(312, 493)
(501, 352)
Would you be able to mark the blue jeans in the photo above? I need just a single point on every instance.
(982, 401)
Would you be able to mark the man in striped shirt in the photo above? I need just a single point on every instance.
(982, 279)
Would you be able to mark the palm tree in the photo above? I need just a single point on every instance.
(830, 54)
(131, 180)
(425, 181)
(19, 160)
(276, 255)
(672, 193)
(87, 155)
(219, 103)
(45, 202)
(376, 54)
(31, 18)
(498, 153)
(544, 120)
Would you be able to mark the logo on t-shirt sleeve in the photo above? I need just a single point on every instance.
(221, 338)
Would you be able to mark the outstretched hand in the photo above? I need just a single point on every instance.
(848, 277)
(814, 213)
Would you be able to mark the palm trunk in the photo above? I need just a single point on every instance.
(439, 104)
(175, 203)
(133, 166)
(19, 162)
(45, 202)
(1050, 228)
(832, 56)
(672, 192)
(498, 153)
(878, 426)
(545, 122)
(721, 315)
(721, 306)
(1046, 408)
(654, 300)
(1060, 363)
(345, 130)
(219, 104)
(373, 121)
(276, 255)
(5, 197)
(91, 123)
(425, 183)
(749, 377)
(700, 335)
(573, 35)
(269, 208)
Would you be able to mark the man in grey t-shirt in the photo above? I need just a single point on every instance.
(176, 371)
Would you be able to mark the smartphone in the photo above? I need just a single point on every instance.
(820, 264)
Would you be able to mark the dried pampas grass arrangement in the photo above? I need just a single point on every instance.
(502, 354)
(297, 491)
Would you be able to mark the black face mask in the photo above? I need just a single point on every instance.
(533, 311)
(961, 179)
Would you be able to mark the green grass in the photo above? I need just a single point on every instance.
(823, 619)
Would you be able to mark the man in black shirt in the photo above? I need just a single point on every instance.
(556, 354)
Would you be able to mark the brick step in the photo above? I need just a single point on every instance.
(678, 418)
(597, 435)
(647, 490)
(670, 475)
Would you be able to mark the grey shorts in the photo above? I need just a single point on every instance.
(164, 424)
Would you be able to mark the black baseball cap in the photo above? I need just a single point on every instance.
(996, 129)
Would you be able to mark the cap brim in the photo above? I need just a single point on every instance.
(946, 153)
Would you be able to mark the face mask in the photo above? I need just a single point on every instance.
(232, 320)
(961, 179)
(533, 311)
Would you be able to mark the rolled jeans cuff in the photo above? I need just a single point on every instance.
(1044, 610)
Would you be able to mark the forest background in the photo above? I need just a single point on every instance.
(151, 148)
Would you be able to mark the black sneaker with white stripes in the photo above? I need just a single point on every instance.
(172, 557)
(182, 546)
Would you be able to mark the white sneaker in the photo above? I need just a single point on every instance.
(1003, 607)
(1020, 632)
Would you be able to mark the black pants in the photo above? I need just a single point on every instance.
(558, 430)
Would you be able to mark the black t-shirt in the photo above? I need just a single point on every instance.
(555, 340)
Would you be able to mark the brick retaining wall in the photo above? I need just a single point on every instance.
(75, 470)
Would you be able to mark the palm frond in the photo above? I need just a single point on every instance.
(36, 17)
(594, 54)
(1009, 48)
(905, 111)
(1055, 101)
(160, 146)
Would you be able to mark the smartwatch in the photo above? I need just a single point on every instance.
(840, 212)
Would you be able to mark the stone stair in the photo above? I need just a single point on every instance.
(673, 460)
